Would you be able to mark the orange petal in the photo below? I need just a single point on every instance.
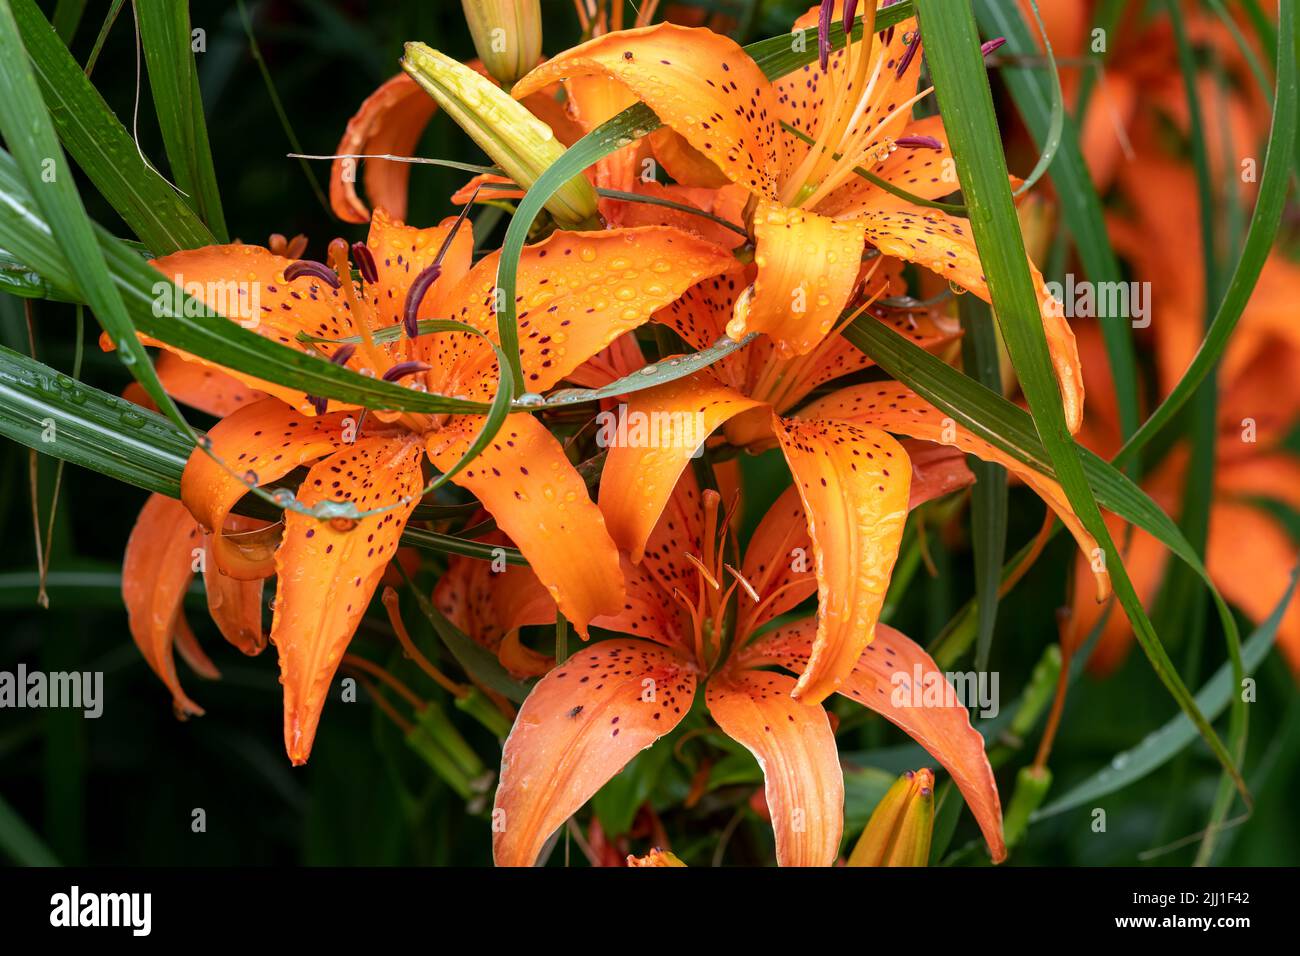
(648, 610)
(727, 203)
(580, 725)
(651, 609)
(577, 293)
(897, 408)
(246, 284)
(1250, 557)
(683, 162)
(807, 270)
(327, 572)
(401, 253)
(592, 100)
(524, 480)
(486, 603)
(1271, 475)
(700, 316)
(854, 482)
(203, 387)
(699, 83)
(836, 356)
(156, 571)
(260, 443)
(1111, 112)
(795, 748)
(921, 171)
(642, 467)
(235, 605)
(390, 120)
(520, 661)
(620, 358)
(487, 188)
(187, 646)
(937, 470)
(943, 244)
(778, 563)
(678, 532)
(885, 679)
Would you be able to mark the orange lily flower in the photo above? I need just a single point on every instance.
(328, 571)
(813, 215)
(594, 712)
(851, 473)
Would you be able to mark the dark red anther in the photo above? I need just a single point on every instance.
(918, 142)
(906, 60)
(318, 403)
(889, 34)
(365, 262)
(309, 267)
(991, 45)
(415, 295)
(344, 352)
(824, 32)
(403, 369)
(850, 14)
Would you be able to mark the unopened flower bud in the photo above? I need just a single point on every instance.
(518, 142)
(507, 35)
(899, 831)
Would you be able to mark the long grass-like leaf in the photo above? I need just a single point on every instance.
(966, 102)
(101, 146)
(1163, 745)
(44, 409)
(1075, 192)
(157, 312)
(988, 510)
(174, 82)
(29, 135)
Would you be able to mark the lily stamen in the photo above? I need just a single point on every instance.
(340, 357)
(415, 295)
(744, 583)
(310, 267)
(359, 313)
(429, 275)
(704, 572)
(365, 263)
(402, 369)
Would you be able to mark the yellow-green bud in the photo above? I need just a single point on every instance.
(518, 142)
(899, 831)
(507, 35)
